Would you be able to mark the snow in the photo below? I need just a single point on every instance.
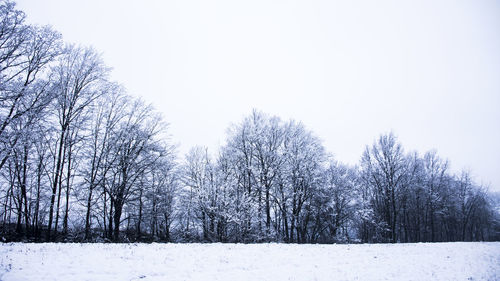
(439, 261)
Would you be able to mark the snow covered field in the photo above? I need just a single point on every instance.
(442, 261)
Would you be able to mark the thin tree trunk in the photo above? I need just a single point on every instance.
(105, 215)
(20, 214)
(154, 214)
(140, 214)
(5, 207)
(93, 175)
(268, 209)
(394, 215)
(10, 205)
(60, 187)
(68, 181)
(87, 216)
(54, 184)
(37, 206)
(23, 188)
(167, 228)
(111, 208)
(19, 197)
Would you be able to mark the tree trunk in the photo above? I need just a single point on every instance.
(105, 215)
(20, 214)
(60, 187)
(285, 226)
(153, 219)
(167, 228)
(37, 206)
(116, 218)
(140, 214)
(87, 216)
(68, 182)
(23, 188)
(5, 207)
(394, 216)
(268, 210)
(110, 228)
(54, 184)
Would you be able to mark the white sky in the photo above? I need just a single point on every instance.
(349, 70)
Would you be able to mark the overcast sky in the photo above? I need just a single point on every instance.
(427, 70)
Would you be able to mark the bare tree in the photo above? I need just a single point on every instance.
(99, 161)
(383, 169)
(340, 190)
(164, 189)
(137, 148)
(25, 53)
(80, 76)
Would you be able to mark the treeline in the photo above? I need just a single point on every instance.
(80, 160)
(273, 181)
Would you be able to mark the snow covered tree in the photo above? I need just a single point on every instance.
(137, 148)
(25, 54)
(383, 169)
(336, 213)
(79, 80)
(99, 159)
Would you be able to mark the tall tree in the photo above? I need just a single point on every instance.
(80, 76)
(110, 110)
(137, 148)
(25, 54)
(383, 170)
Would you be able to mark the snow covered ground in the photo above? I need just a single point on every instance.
(442, 261)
